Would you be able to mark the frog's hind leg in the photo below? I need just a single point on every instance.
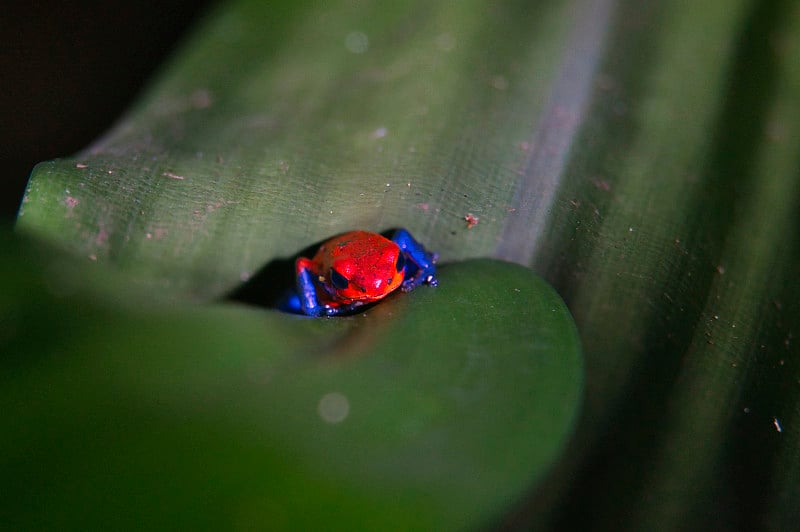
(420, 263)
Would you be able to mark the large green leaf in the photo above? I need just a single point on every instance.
(133, 413)
(642, 156)
(267, 134)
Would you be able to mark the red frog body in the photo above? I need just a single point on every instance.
(357, 268)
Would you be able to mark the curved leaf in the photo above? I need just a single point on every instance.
(219, 169)
(434, 409)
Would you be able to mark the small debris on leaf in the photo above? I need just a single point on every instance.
(172, 176)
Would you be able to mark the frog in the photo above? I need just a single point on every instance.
(358, 268)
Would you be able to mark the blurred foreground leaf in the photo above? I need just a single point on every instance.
(435, 409)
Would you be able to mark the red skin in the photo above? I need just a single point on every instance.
(367, 260)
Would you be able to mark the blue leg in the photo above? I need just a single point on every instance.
(420, 263)
(307, 292)
(305, 300)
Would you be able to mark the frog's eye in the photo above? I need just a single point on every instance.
(338, 280)
(401, 262)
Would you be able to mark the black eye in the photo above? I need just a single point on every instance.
(401, 262)
(339, 281)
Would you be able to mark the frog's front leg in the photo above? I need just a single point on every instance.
(420, 263)
(309, 302)
(307, 289)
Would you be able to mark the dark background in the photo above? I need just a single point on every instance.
(69, 69)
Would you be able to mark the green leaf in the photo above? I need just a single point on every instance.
(267, 134)
(434, 409)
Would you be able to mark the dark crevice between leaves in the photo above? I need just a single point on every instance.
(271, 283)
(638, 425)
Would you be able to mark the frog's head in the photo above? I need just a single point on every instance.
(367, 276)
